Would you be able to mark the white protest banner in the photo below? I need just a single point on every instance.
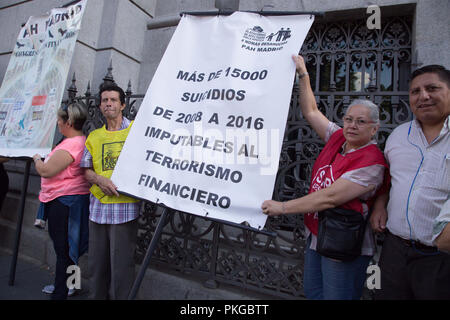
(208, 135)
(34, 81)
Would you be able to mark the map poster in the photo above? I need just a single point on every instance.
(33, 85)
(208, 135)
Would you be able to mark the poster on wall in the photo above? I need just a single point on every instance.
(208, 135)
(33, 85)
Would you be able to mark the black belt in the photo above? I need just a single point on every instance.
(413, 243)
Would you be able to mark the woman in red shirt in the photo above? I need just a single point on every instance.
(347, 174)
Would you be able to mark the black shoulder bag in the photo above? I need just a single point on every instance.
(341, 233)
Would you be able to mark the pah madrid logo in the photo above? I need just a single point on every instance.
(257, 40)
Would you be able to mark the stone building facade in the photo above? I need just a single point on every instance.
(132, 35)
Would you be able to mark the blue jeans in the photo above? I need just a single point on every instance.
(328, 279)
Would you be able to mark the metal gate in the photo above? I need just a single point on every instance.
(345, 61)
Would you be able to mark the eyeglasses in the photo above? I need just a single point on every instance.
(358, 122)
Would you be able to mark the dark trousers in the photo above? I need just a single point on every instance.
(412, 272)
(58, 219)
(4, 184)
(111, 259)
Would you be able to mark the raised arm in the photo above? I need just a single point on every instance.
(307, 101)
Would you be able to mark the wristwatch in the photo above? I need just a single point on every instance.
(301, 75)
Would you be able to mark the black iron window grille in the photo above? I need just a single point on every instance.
(345, 61)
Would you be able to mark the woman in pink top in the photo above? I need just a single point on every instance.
(64, 195)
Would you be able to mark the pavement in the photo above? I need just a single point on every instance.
(30, 278)
(36, 263)
(33, 275)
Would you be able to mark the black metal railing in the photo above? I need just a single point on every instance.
(345, 61)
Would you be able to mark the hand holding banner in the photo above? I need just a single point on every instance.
(208, 135)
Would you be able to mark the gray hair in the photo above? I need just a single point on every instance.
(374, 112)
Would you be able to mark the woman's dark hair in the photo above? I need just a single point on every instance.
(113, 87)
(74, 113)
